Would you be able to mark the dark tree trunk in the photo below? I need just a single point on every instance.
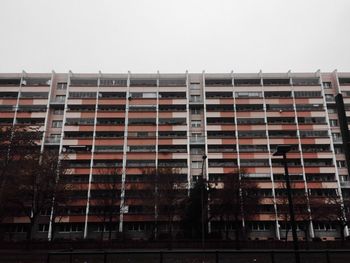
(237, 233)
(342, 227)
(110, 223)
(30, 230)
(226, 228)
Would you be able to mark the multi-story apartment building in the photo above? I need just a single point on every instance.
(132, 121)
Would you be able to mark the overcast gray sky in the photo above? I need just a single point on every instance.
(172, 36)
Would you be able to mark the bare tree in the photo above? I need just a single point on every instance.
(333, 209)
(17, 145)
(235, 201)
(109, 203)
(36, 186)
(192, 215)
(300, 207)
(169, 193)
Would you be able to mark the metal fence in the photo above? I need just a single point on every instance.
(201, 256)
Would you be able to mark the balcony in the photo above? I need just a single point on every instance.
(52, 140)
(58, 101)
(197, 140)
(345, 184)
(196, 99)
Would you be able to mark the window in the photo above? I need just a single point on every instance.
(308, 107)
(142, 148)
(325, 226)
(219, 82)
(56, 124)
(307, 94)
(176, 82)
(8, 95)
(60, 98)
(254, 94)
(217, 107)
(279, 107)
(195, 98)
(196, 124)
(172, 134)
(175, 107)
(18, 228)
(341, 164)
(143, 82)
(218, 95)
(259, 226)
(247, 82)
(258, 162)
(106, 82)
(194, 86)
(172, 95)
(346, 93)
(80, 121)
(100, 148)
(83, 82)
(329, 97)
(195, 111)
(251, 134)
(108, 107)
(196, 164)
(34, 95)
(327, 85)
(62, 85)
(338, 149)
(333, 123)
(58, 112)
(110, 95)
(10, 82)
(311, 120)
(144, 95)
(250, 121)
(221, 134)
(136, 227)
(336, 136)
(276, 82)
(252, 148)
(108, 121)
(173, 121)
(220, 120)
(249, 107)
(36, 82)
(305, 81)
(279, 120)
(45, 212)
(142, 121)
(278, 94)
(55, 136)
(43, 228)
(70, 228)
(32, 108)
(82, 95)
(331, 109)
(304, 134)
(197, 150)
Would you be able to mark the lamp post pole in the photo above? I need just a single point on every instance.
(202, 201)
(282, 151)
(291, 210)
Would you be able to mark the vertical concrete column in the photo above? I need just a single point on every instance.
(311, 229)
(91, 161)
(125, 148)
(277, 225)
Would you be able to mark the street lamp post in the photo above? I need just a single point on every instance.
(204, 157)
(282, 151)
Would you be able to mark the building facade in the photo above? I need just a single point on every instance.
(132, 121)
